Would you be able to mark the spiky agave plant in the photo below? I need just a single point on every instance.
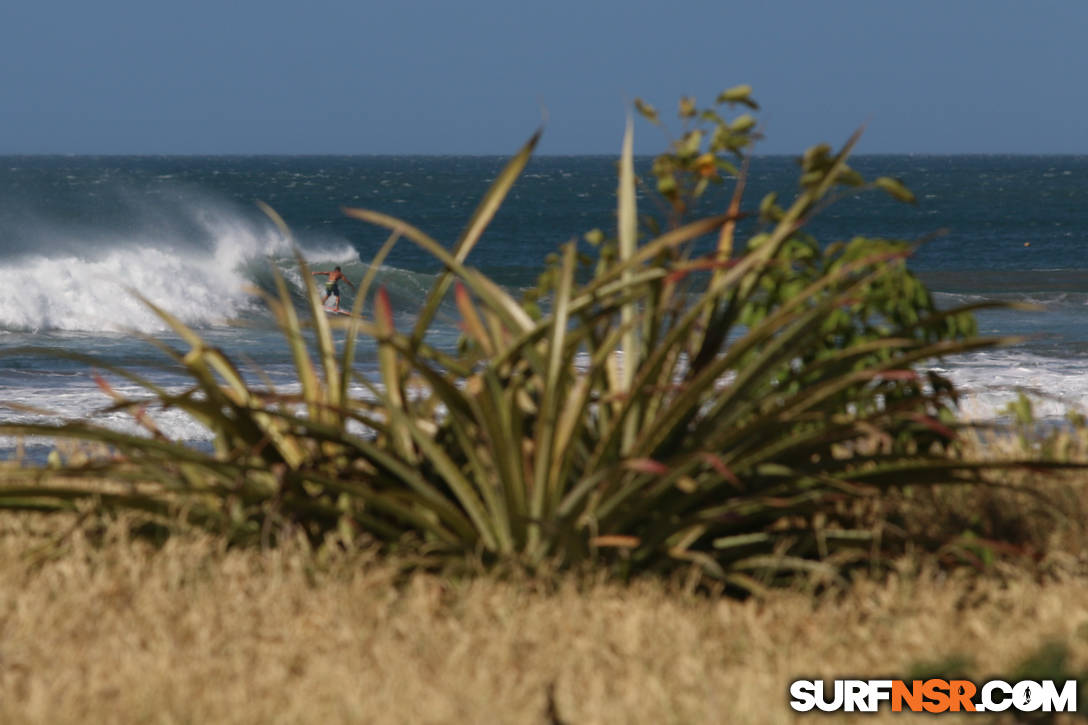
(724, 409)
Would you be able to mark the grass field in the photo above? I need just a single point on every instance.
(114, 630)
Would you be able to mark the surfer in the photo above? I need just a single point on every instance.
(332, 287)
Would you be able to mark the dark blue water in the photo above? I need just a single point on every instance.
(80, 235)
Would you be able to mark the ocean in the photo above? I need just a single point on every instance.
(79, 234)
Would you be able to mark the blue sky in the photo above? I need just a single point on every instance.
(476, 76)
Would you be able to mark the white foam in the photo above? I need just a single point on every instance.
(989, 381)
(83, 400)
(203, 284)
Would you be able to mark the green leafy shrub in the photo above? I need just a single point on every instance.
(738, 409)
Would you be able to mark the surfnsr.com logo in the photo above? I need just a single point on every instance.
(934, 696)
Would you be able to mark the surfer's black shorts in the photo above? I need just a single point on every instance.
(332, 288)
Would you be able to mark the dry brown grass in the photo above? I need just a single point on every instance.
(120, 632)
(96, 627)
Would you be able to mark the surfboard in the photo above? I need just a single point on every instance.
(331, 311)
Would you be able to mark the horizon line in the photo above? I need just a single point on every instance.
(329, 154)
